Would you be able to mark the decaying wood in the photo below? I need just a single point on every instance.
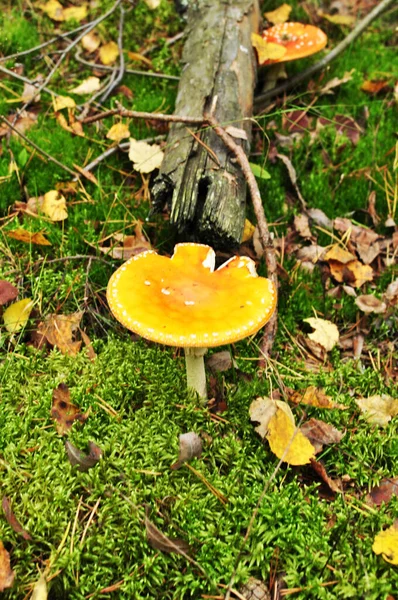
(199, 178)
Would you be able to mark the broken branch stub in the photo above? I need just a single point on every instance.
(199, 178)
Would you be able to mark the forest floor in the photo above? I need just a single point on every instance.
(88, 526)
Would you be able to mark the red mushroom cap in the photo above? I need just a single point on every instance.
(299, 40)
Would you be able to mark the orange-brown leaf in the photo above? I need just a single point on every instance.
(63, 411)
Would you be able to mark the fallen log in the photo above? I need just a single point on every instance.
(199, 178)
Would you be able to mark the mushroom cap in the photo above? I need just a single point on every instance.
(300, 40)
(182, 301)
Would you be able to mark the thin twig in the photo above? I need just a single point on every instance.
(135, 114)
(26, 80)
(260, 100)
(265, 236)
(99, 67)
(121, 69)
(37, 148)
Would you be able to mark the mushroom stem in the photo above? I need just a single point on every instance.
(196, 376)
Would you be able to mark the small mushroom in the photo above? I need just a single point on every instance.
(300, 40)
(182, 301)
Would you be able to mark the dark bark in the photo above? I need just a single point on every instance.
(207, 193)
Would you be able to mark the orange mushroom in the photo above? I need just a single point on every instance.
(182, 301)
(300, 40)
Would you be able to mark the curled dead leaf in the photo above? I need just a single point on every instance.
(325, 332)
(190, 447)
(59, 330)
(6, 573)
(82, 461)
(63, 411)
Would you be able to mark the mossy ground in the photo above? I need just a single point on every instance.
(319, 545)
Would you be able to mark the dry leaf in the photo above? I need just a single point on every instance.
(370, 304)
(75, 13)
(292, 174)
(266, 50)
(63, 411)
(190, 447)
(367, 253)
(118, 132)
(374, 87)
(53, 9)
(54, 206)
(87, 342)
(220, 361)
(29, 237)
(336, 82)
(386, 544)
(236, 132)
(302, 226)
(87, 174)
(152, 4)
(334, 484)
(325, 332)
(339, 254)
(387, 489)
(108, 53)
(262, 410)
(391, 293)
(145, 158)
(131, 244)
(314, 396)
(29, 93)
(248, 231)
(161, 542)
(16, 316)
(320, 433)
(58, 330)
(84, 462)
(337, 19)
(6, 573)
(8, 292)
(88, 86)
(378, 409)
(91, 41)
(140, 58)
(279, 15)
(287, 442)
(40, 588)
(61, 102)
(12, 520)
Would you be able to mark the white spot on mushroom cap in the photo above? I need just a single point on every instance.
(166, 292)
(147, 282)
(189, 302)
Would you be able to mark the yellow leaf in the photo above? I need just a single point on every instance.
(146, 158)
(263, 409)
(118, 132)
(16, 316)
(53, 9)
(267, 50)
(89, 85)
(139, 57)
(280, 437)
(314, 396)
(54, 206)
(248, 231)
(61, 102)
(152, 4)
(108, 53)
(337, 253)
(326, 333)
(386, 544)
(279, 15)
(91, 41)
(337, 19)
(378, 409)
(29, 237)
(40, 589)
(76, 13)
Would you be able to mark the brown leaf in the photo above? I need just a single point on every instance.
(29, 237)
(358, 234)
(90, 350)
(159, 541)
(6, 573)
(59, 329)
(12, 520)
(368, 303)
(336, 82)
(334, 484)
(63, 411)
(84, 462)
(220, 361)
(313, 396)
(87, 174)
(374, 87)
(131, 244)
(383, 492)
(302, 226)
(8, 292)
(190, 447)
(320, 433)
